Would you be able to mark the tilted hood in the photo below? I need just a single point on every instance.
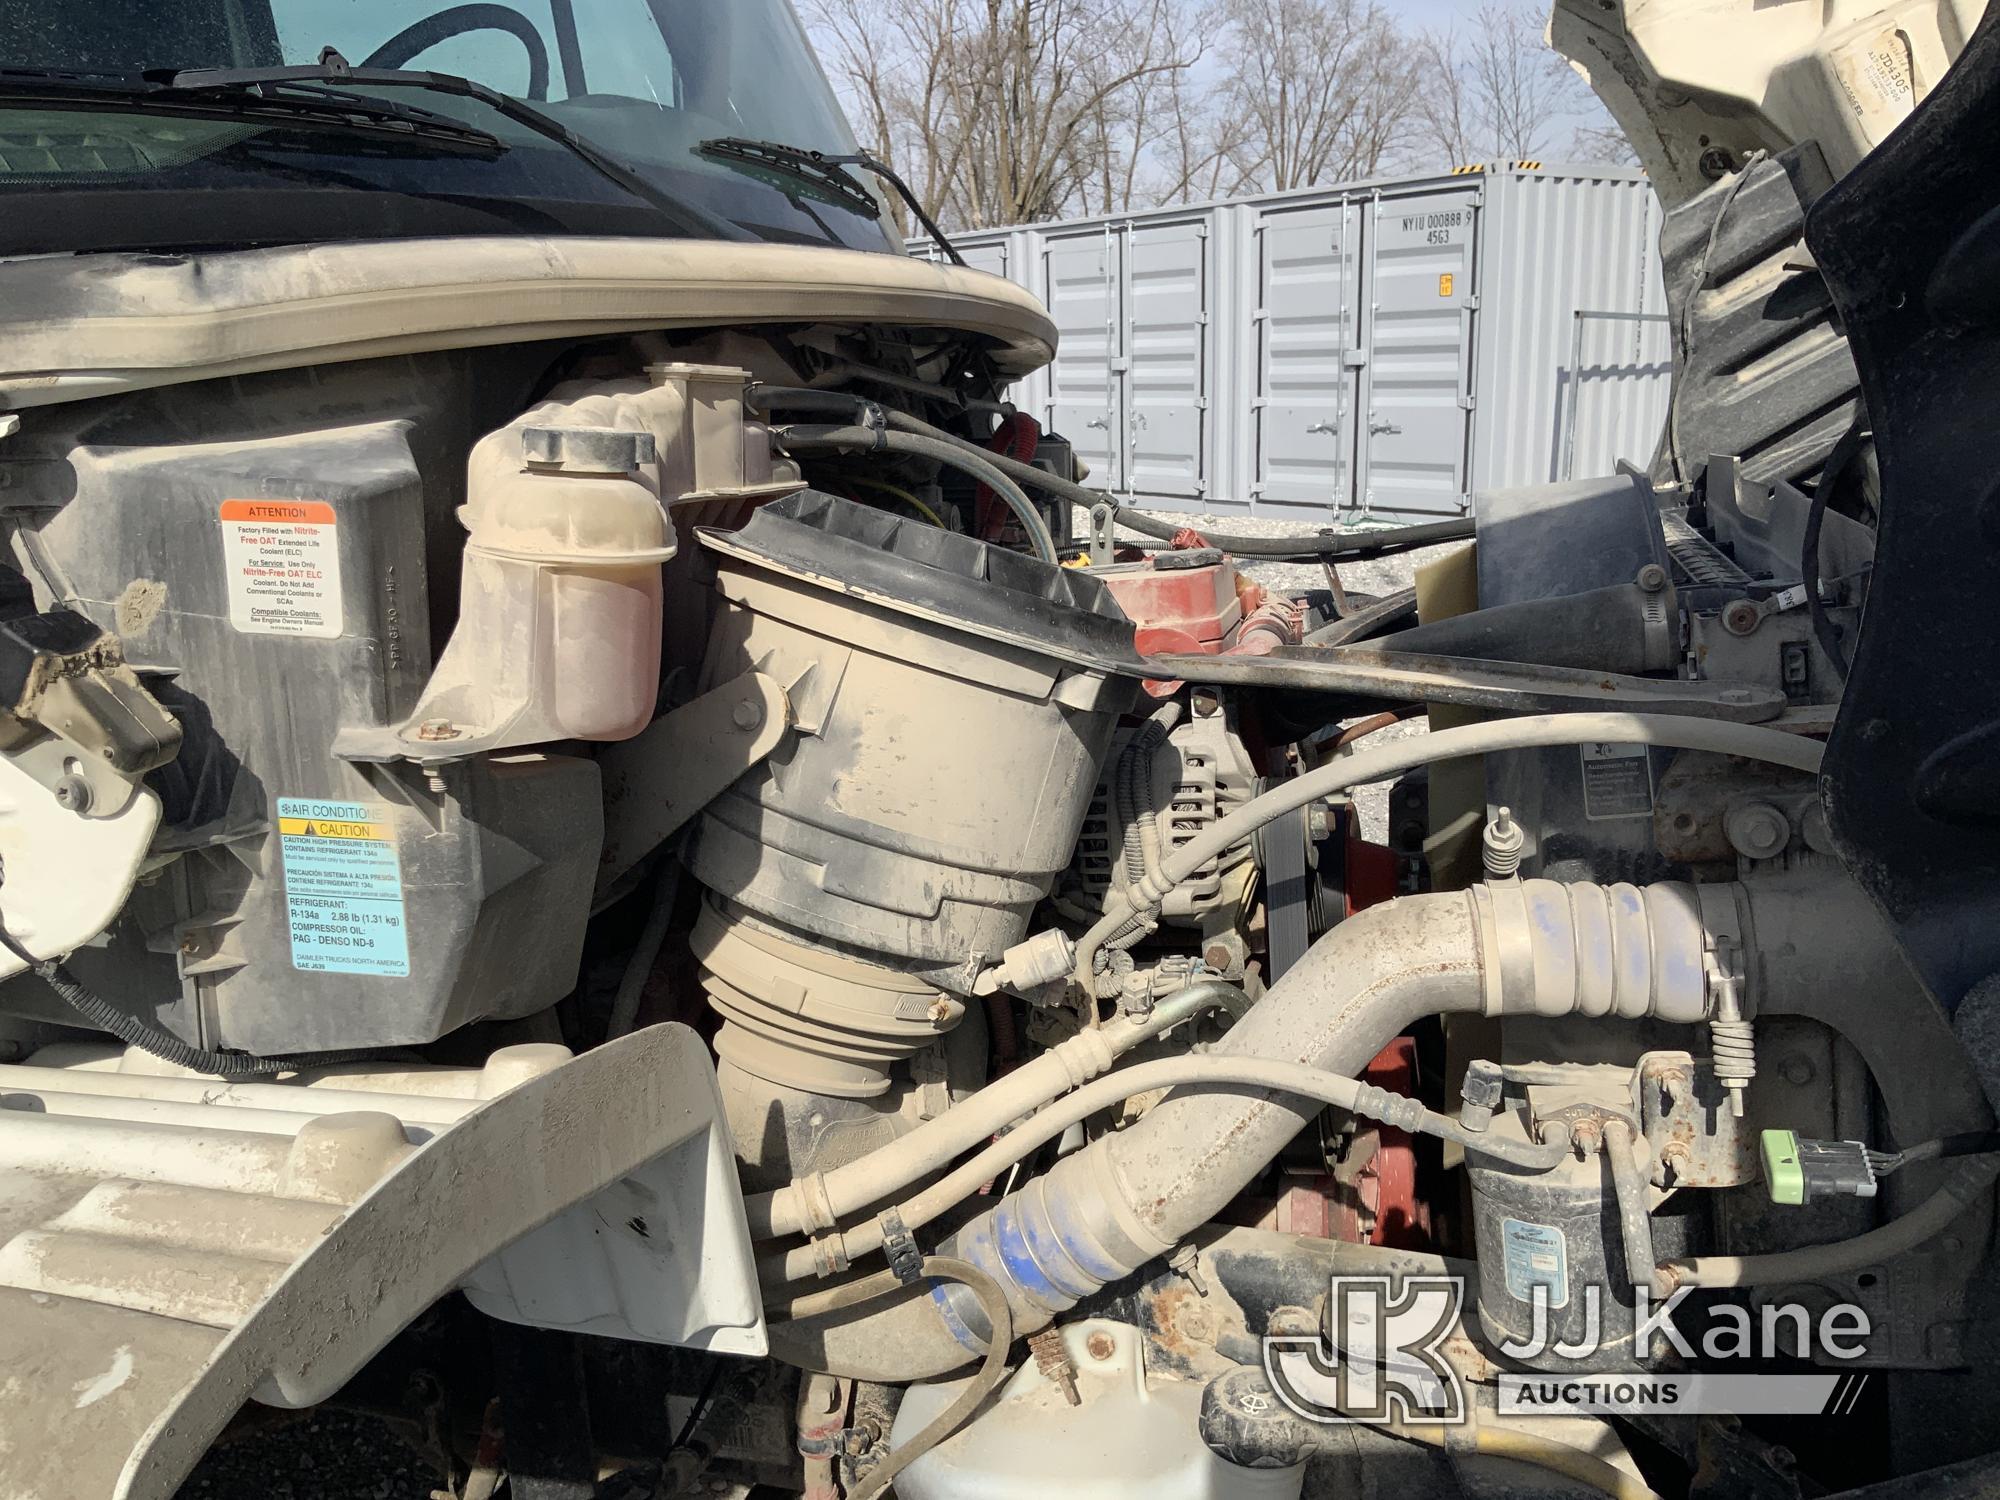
(90, 325)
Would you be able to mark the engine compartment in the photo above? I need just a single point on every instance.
(1054, 1044)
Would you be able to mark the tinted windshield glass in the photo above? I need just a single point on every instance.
(644, 81)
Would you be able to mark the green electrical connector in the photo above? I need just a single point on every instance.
(1798, 1171)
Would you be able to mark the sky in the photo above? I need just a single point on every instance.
(1423, 14)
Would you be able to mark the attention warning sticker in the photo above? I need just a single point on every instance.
(343, 888)
(282, 558)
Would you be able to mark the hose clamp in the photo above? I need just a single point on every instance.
(815, 1203)
(830, 1256)
(900, 1246)
(1506, 946)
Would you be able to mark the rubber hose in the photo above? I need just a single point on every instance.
(982, 465)
(1751, 741)
(991, 1372)
(1819, 1262)
(1137, 819)
(965, 457)
(1528, 1448)
(890, 1168)
(1204, 1070)
(1350, 544)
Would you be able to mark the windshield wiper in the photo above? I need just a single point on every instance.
(307, 105)
(333, 68)
(829, 169)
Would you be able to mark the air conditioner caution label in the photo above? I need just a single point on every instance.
(343, 888)
(282, 561)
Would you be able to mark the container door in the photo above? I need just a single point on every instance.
(1085, 385)
(1307, 345)
(990, 255)
(1418, 408)
(1166, 339)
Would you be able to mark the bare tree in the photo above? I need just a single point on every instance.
(1323, 89)
(1003, 110)
(1006, 111)
(1496, 88)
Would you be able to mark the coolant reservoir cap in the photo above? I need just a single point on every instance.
(936, 575)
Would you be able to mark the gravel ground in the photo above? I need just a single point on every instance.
(327, 1456)
(339, 1456)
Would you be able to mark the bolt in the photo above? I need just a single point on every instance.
(74, 793)
(1217, 956)
(1798, 1069)
(1742, 617)
(747, 714)
(1205, 703)
(1652, 578)
(1501, 845)
(438, 729)
(434, 779)
(1716, 163)
(1101, 1346)
(1757, 830)
(1187, 1261)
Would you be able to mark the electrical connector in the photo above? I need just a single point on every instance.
(1799, 1171)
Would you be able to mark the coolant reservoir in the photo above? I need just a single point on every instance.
(559, 625)
(1129, 1433)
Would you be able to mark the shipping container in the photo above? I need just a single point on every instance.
(1375, 348)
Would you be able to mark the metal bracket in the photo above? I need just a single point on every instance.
(661, 777)
(1413, 677)
(1103, 541)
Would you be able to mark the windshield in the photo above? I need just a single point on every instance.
(644, 82)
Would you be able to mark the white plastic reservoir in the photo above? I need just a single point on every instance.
(1132, 1435)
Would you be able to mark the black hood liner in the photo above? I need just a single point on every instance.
(1909, 243)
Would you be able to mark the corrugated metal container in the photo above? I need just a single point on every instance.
(1378, 348)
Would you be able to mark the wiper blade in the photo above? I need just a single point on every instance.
(335, 69)
(296, 103)
(828, 168)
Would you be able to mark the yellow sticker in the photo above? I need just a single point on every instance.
(1444, 284)
(332, 828)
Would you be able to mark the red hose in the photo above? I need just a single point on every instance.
(1017, 437)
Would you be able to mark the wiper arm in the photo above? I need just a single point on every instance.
(826, 167)
(333, 68)
(305, 104)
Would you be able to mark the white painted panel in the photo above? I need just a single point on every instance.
(1084, 386)
(1421, 272)
(1166, 321)
(1309, 299)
